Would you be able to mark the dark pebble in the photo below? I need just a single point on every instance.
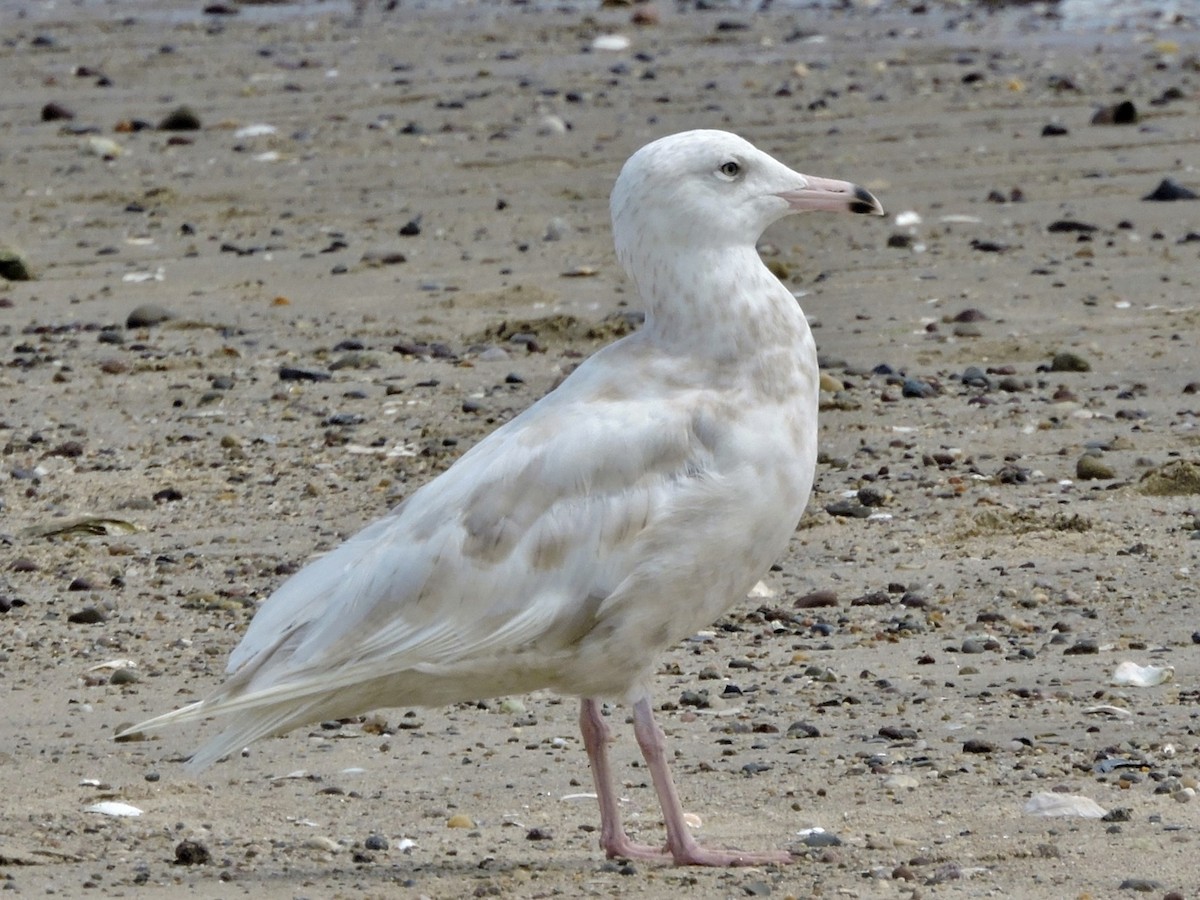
(123, 676)
(1069, 362)
(167, 495)
(290, 373)
(756, 768)
(972, 645)
(1123, 113)
(148, 314)
(848, 508)
(978, 745)
(13, 267)
(874, 598)
(756, 889)
(1083, 647)
(182, 118)
(411, 228)
(1054, 130)
(376, 842)
(89, 615)
(1170, 189)
(539, 834)
(823, 598)
(344, 420)
(973, 376)
(191, 853)
(81, 584)
(55, 112)
(989, 246)
(1070, 226)
(803, 730)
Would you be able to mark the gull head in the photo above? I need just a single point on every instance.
(709, 191)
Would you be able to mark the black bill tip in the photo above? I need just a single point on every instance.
(864, 202)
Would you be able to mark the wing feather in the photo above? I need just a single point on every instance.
(517, 545)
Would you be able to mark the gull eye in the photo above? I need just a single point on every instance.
(730, 169)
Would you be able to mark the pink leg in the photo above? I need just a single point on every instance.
(613, 839)
(680, 844)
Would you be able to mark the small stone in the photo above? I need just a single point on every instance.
(1083, 647)
(89, 615)
(803, 730)
(901, 782)
(914, 387)
(147, 315)
(124, 676)
(978, 745)
(1090, 467)
(817, 599)
(539, 834)
(1141, 885)
(56, 112)
(459, 820)
(411, 228)
(822, 839)
(1169, 189)
(376, 842)
(1069, 362)
(1123, 113)
(831, 385)
(191, 853)
(291, 373)
(13, 266)
(182, 118)
(973, 645)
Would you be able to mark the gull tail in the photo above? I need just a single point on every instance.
(243, 728)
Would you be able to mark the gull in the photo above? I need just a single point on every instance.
(628, 508)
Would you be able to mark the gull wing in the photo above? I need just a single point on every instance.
(518, 544)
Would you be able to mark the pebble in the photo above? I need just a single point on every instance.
(291, 373)
(901, 781)
(1090, 467)
(320, 842)
(1141, 885)
(191, 853)
(1067, 361)
(1169, 189)
(182, 118)
(147, 315)
(89, 615)
(376, 842)
(1123, 113)
(817, 599)
(13, 266)
(1083, 647)
(978, 745)
(56, 112)
(460, 820)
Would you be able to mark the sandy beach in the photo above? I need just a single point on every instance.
(287, 265)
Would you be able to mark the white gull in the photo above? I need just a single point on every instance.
(620, 513)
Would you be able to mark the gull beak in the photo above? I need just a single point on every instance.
(832, 196)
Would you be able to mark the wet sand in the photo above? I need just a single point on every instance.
(320, 364)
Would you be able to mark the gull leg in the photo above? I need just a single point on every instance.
(680, 844)
(613, 838)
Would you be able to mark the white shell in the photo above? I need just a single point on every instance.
(1049, 804)
(1132, 675)
(114, 808)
